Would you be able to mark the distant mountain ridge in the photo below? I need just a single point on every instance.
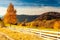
(29, 18)
(49, 16)
(46, 16)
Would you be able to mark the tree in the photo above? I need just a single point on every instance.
(56, 25)
(10, 16)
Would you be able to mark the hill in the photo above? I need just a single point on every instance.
(47, 20)
(49, 16)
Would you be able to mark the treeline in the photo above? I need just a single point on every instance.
(54, 24)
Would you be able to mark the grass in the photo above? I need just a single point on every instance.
(19, 35)
(39, 28)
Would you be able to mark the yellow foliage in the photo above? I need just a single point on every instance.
(10, 16)
(56, 25)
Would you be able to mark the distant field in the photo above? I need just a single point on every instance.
(40, 28)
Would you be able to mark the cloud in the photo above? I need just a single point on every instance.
(30, 10)
(2, 10)
(36, 10)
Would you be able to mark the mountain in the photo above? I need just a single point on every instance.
(47, 20)
(29, 18)
(49, 16)
(46, 16)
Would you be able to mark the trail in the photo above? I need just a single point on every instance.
(45, 34)
(5, 35)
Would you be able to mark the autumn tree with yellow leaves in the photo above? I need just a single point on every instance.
(57, 24)
(10, 16)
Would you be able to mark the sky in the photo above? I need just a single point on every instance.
(30, 7)
(37, 3)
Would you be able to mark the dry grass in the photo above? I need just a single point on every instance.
(19, 35)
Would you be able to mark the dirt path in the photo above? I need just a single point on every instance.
(4, 37)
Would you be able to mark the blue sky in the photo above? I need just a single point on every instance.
(30, 7)
(30, 3)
